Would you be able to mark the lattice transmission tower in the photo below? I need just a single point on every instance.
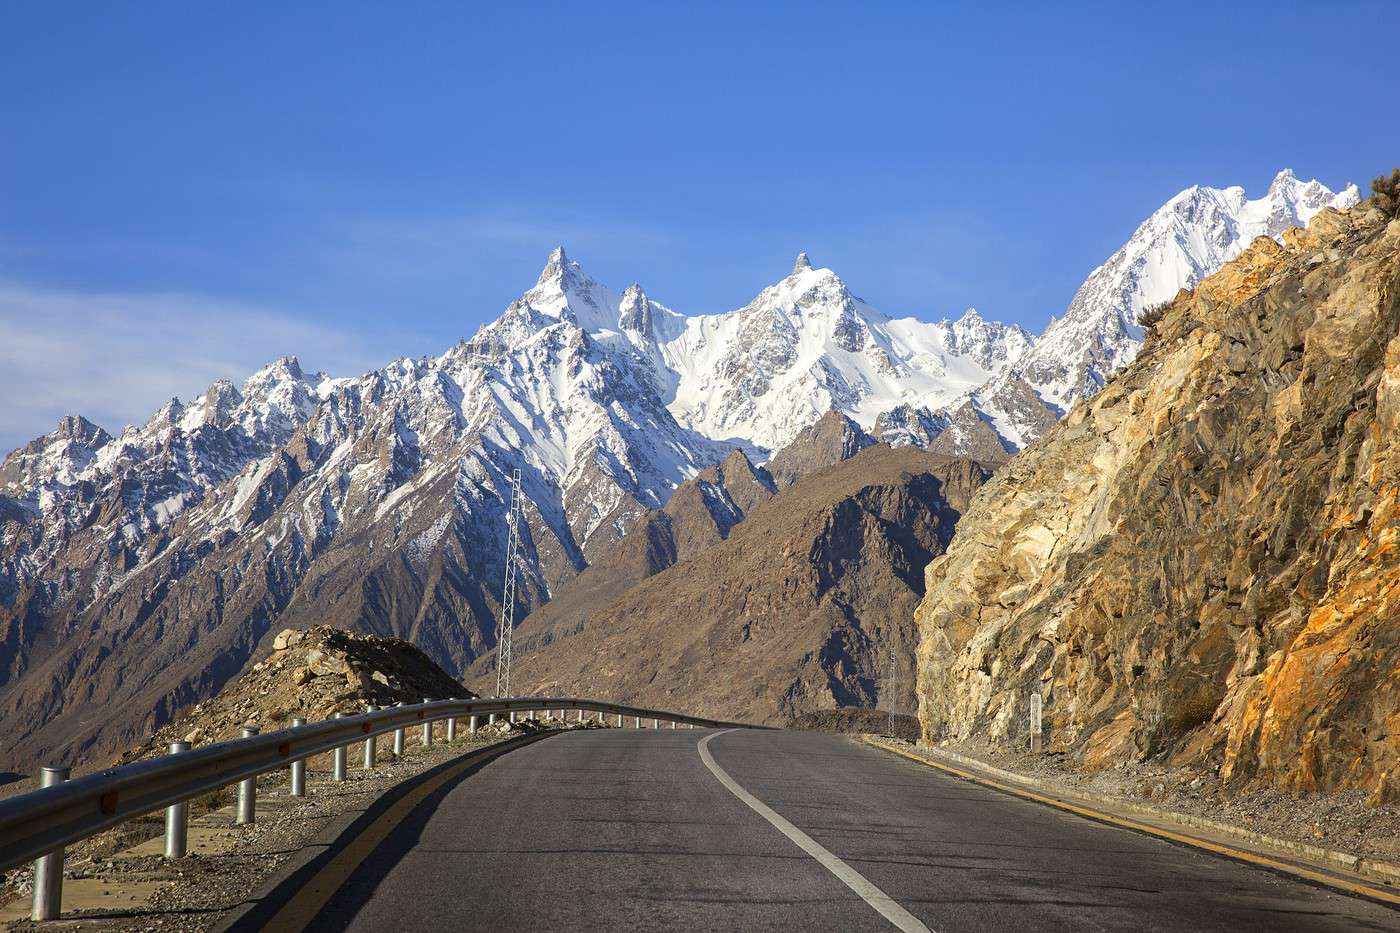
(503, 635)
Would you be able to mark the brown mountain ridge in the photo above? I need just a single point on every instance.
(796, 610)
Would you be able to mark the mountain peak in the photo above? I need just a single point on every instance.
(288, 365)
(555, 266)
(830, 439)
(78, 428)
(802, 264)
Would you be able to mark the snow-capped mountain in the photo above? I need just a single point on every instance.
(807, 345)
(156, 561)
(1185, 240)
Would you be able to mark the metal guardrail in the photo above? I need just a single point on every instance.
(37, 825)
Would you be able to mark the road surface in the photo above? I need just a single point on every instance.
(752, 830)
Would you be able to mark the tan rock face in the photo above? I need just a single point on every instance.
(1200, 563)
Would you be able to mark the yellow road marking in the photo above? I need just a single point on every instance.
(303, 906)
(1330, 880)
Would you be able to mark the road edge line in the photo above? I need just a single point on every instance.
(883, 904)
(1319, 877)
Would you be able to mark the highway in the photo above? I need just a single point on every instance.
(622, 829)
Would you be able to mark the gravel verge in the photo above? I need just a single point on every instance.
(1344, 822)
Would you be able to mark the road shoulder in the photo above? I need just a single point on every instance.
(1237, 844)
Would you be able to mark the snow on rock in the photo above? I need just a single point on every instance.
(807, 345)
(1182, 242)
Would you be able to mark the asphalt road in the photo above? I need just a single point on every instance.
(632, 830)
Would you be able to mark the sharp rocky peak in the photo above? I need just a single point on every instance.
(562, 272)
(77, 428)
(634, 311)
(283, 365)
(802, 264)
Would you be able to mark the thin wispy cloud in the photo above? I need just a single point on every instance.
(117, 357)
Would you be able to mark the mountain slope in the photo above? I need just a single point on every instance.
(1199, 564)
(701, 513)
(796, 610)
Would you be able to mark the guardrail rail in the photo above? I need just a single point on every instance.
(38, 825)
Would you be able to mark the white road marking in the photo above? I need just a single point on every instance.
(882, 902)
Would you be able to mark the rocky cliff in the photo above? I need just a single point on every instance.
(796, 610)
(1201, 564)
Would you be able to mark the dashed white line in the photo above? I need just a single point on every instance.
(882, 902)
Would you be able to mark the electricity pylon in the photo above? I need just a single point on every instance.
(503, 636)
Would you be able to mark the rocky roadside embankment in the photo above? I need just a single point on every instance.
(1198, 569)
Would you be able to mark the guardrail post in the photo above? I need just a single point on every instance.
(619, 720)
(673, 724)
(177, 817)
(427, 727)
(248, 789)
(451, 728)
(370, 749)
(599, 716)
(491, 720)
(471, 726)
(580, 715)
(342, 754)
(655, 723)
(512, 716)
(48, 868)
(637, 722)
(398, 737)
(298, 767)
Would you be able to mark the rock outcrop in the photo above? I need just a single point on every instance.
(796, 610)
(830, 439)
(1201, 564)
(311, 674)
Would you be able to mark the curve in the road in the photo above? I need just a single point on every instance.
(882, 902)
(624, 829)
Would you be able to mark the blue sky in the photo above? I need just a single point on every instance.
(187, 190)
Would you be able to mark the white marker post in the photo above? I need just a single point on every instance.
(1036, 724)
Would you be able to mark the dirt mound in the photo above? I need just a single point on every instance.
(311, 674)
